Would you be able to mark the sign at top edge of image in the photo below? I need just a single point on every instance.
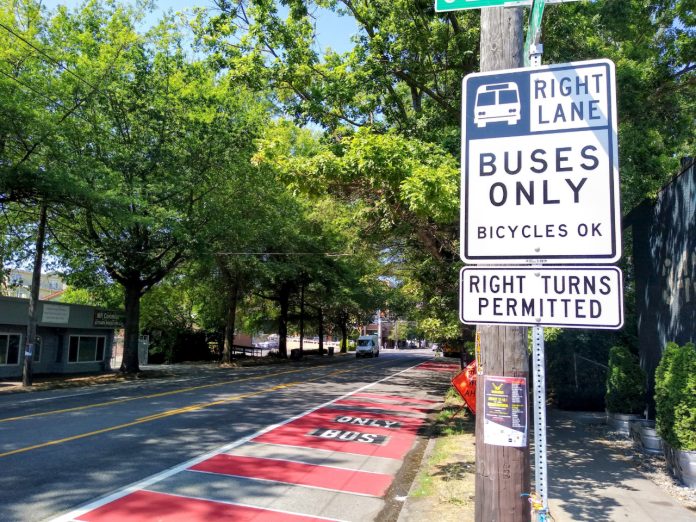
(457, 5)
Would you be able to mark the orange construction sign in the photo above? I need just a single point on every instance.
(465, 383)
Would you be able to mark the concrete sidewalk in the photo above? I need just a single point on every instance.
(591, 481)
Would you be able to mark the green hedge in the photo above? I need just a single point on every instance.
(675, 396)
(625, 382)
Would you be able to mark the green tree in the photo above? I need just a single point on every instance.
(235, 239)
(401, 198)
(402, 80)
(625, 382)
(404, 70)
(152, 147)
(35, 104)
(407, 61)
(652, 44)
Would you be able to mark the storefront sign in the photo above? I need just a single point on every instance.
(108, 318)
(55, 314)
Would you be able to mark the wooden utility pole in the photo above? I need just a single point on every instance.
(27, 372)
(502, 472)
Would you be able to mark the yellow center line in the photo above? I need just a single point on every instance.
(204, 405)
(178, 411)
(143, 420)
(151, 396)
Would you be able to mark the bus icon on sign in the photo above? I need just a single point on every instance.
(497, 102)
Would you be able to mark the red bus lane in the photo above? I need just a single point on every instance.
(352, 431)
(437, 366)
(333, 463)
(151, 506)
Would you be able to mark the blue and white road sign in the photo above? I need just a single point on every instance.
(540, 181)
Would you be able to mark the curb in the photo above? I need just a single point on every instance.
(405, 513)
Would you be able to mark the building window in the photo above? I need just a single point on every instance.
(86, 348)
(9, 348)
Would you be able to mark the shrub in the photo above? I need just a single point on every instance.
(625, 382)
(675, 396)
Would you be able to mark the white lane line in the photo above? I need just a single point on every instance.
(143, 484)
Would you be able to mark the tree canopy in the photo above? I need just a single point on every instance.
(226, 156)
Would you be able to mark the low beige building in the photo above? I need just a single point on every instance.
(18, 284)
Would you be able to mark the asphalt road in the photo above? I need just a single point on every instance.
(62, 448)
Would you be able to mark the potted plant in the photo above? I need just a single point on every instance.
(644, 433)
(675, 404)
(625, 396)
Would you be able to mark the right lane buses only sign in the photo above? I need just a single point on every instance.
(540, 177)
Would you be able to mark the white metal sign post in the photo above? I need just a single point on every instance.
(540, 177)
(539, 400)
(533, 50)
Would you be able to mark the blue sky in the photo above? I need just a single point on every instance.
(333, 31)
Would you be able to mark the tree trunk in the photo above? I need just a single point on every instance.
(344, 335)
(230, 319)
(321, 331)
(301, 320)
(502, 472)
(232, 290)
(284, 299)
(27, 372)
(130, 363)
(417, 100)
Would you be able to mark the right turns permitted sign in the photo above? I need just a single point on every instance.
(569, 296)
(540, 176)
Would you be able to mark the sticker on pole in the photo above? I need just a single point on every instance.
(540, 180)
(505, 411)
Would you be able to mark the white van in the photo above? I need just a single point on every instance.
(367, 345)
(497, 102)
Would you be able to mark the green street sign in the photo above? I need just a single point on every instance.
(456, 5)
(534, 31)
